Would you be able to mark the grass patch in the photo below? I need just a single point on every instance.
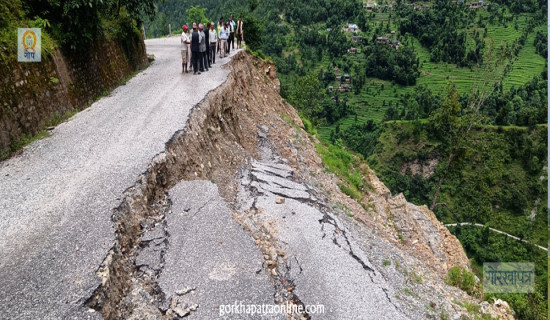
(350, 191)
(259, 54)
(59, 118)
(461, 278)
(416, 278)
(308, 126)
(345, 165)
(23, 141)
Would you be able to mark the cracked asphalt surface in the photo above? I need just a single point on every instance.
(322, 268)
(209, 251)
(323, 258)
(58, 196)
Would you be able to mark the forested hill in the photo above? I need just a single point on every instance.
(447, 101)
(175, 14)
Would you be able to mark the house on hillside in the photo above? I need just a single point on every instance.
(345, 87)
(478, 4)
(338, 77)
(352, 27)
(390, 7)
(356, 38)
(394, 44)
(330, 88)
(353, 50)
(347, 77)
(370, 7)
(392, 32)
(382, 39)
(420, 8)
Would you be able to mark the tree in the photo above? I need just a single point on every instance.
(138, 8)
(337, 42)
(453, 125)
(196, 14)
(541, 44)
(308, 96)
(253, 29)
(446, 120)
(77, 23)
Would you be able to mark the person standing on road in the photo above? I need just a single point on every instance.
(185, 41)
(231, 39)
(239, 32)
(213, 41)
(207, 52)
(195, 49)
(224, 34)
(220, 27)
(202, 49)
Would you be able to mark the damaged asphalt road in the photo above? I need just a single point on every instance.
(316, 254)
(58, 196)
(114, 216)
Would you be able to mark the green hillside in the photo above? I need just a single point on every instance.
(499, 181)
(371, 102)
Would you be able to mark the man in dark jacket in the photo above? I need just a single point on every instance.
(203, 66)
(207, 53)
(195, 49)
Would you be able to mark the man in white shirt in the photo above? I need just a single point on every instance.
(213, 41)
(185, 41)
(239, 32)
(224, 35)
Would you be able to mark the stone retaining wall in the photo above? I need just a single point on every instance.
(32, 93)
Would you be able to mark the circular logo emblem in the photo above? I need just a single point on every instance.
(29, 40)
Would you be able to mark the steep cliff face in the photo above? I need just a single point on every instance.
(32, 93)
(417, 229)
(387, 261)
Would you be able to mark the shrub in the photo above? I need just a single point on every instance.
(350, 191)
(461, 278)
(308, 126)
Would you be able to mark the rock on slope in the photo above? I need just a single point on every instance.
(264, 198)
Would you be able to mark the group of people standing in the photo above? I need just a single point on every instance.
(200, 46)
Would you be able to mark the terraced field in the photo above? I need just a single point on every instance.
(373, 100)
(527, 64)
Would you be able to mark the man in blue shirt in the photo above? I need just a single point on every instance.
(223, 36)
